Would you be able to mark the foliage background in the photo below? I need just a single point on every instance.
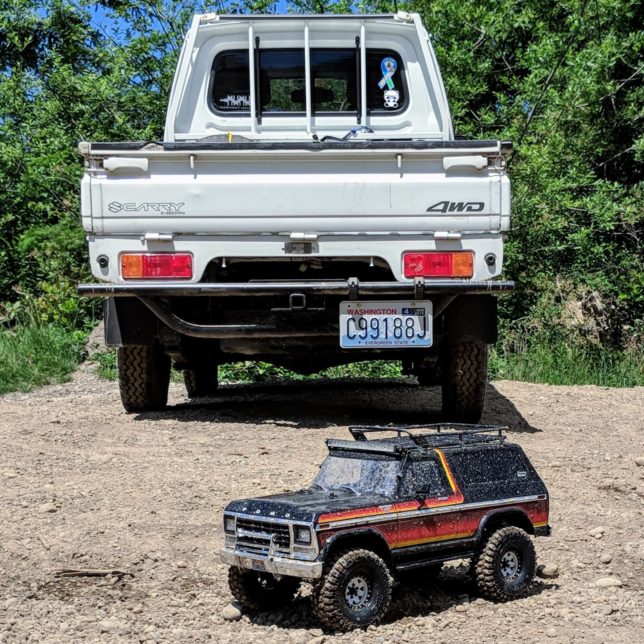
(561, 79)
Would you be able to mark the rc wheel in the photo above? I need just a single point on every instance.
(200, 382)
(505, 566)
(144, 377)
(355, 591)
(464, 378)
(260, 590)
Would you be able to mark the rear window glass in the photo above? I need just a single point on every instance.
(334, 81)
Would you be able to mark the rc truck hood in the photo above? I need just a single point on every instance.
(305, 505)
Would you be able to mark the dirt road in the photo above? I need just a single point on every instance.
(83, 485)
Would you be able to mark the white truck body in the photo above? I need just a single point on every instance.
(241, 178)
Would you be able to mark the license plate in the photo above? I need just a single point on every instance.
(385, 325)
(258, 565)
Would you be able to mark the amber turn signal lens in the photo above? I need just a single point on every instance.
(138, 266)
(439, 264)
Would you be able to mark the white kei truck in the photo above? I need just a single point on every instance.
(309, 206)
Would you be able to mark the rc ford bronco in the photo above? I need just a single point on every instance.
(381, 507)
(309, 206)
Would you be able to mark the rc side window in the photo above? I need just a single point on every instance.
(425, 476)
(496, 464)
(334, 81)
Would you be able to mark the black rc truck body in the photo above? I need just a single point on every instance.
(381, 507)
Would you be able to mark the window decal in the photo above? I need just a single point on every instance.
(392, 97)
(388, 66)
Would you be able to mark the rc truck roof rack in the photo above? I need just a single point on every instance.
(443, 434)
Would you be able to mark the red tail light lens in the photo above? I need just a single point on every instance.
(141, 266)
(439, 264)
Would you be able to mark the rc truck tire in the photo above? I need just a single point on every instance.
(464, 380)
(355, 591)
(200, 382)
(144, 377)
(260, 590)
(504, 567)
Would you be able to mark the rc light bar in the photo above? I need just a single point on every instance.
(144, 266)
(439, 264)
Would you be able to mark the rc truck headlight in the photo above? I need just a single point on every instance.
(142, 266)
(303, 535)
(439, 264)
(229, 525)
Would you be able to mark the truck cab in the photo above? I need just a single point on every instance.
(309, 206)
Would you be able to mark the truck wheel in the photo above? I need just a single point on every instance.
(355, 591)
(464, 379)
(144, 377)
(260, 590)
(200, 382)
(504, 567)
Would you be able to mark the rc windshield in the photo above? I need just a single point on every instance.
(372, 475)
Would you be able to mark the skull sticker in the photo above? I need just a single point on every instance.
(391, 96)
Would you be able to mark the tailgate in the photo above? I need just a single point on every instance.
(286, 188)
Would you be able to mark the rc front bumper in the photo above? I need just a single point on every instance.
(272, 564)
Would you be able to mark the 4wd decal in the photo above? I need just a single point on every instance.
(162, 208)
(457, 206)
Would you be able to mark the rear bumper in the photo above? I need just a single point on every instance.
(274, 565)
(543, 531)
(159, 300)
(351, 288)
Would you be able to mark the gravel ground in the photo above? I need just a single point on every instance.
(86, 486)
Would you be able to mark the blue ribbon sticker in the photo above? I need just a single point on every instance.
(388, 66)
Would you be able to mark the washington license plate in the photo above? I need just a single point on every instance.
(383, 325)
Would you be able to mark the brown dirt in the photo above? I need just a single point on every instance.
(144, 494)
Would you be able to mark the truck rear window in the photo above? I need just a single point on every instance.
(334, 81)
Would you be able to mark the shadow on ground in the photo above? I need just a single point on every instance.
(411, 598)
(319, 404)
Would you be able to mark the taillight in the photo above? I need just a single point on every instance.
(141, 266)
(439, 264)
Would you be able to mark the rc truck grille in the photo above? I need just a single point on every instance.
(257, 536)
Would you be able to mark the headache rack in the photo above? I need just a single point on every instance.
(442, 435)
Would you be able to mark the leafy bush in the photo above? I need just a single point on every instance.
(33, 354)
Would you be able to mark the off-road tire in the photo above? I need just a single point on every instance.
(200, 382)
(492, 572)
(144, 377)
(464, 379)
(259, 590)
(330, 600)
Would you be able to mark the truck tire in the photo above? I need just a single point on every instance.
(504, 567)
(354, 592)
(464, 380)
(201, 382)
(260, 590)
(144, 377)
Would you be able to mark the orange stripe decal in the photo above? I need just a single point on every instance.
(457, 495)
